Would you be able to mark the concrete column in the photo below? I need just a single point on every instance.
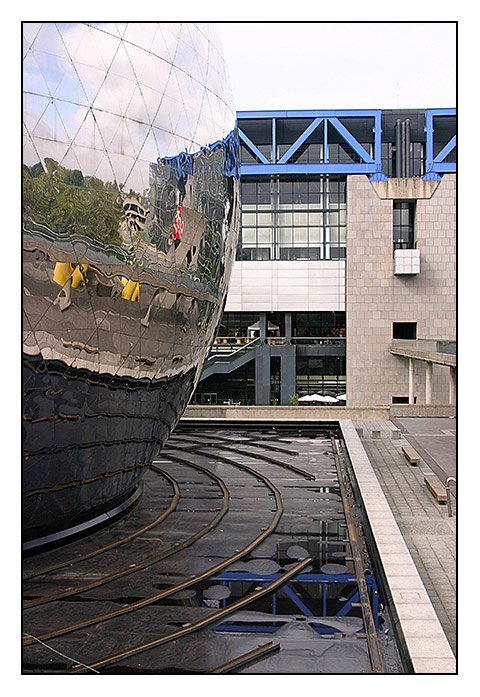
(262, 375)
(263, 326)
(411, 374)
(288, 327)
(452, 397)
(288, 374)
(428, 382)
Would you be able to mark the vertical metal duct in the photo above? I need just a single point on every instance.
(402, 168)
(406, 151)
(398, 162)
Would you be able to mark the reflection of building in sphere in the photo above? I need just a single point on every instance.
(136, 212)
(130, 213)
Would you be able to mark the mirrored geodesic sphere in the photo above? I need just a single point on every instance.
(130, 216)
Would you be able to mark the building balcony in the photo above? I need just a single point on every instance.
(406, 262)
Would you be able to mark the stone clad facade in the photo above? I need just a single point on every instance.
(375, 297)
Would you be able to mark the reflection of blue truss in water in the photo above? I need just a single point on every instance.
(288, 589)
(183, 163)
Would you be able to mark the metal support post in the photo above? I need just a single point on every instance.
(451, 385)
(428, 382)
(449, 496)
(411, 374)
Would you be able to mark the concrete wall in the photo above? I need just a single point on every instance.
(303, 286)
(375, 298)
(278, 413)
(381, 413)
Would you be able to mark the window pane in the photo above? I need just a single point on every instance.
(315, 218)
(333, 235)
(300, 236)
(285, 219)
(315, 235)
(300, 218)
(285, 236)
(264, 235)
(248, 188)
(264, 219)
(248, 219)
(248, 235)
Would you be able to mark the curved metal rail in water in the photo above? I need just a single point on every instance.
(120, 541)
(181, 455)
(143, 563)
(29, 639)
(205, 622)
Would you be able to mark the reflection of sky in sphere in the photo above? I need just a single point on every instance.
(109, 98)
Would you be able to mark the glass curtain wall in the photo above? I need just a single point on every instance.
(237, 387)
(293, 218)
(318, 324)
(325, 375)
(236, 324)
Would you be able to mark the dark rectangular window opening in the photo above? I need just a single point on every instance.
(402, 400)
(404, 330)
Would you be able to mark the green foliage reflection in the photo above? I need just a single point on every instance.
(66, 201)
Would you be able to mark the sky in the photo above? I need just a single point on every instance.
(340, 65)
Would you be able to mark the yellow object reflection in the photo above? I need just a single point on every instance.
(63, 271)
(131, 290)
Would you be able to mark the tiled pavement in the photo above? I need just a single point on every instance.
(428, 531)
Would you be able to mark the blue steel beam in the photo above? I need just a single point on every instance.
(252, 147)
(271, 629)
(300, 140)
(297, 601)
(353, 142)
(446, 150)
(432, 167)
(370, 166)
(443, 167)
(274, 140)
(312, 168)
(306, 113)
(325, 141)
(324, 579)
(300, 578)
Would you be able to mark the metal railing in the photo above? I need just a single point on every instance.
(428, 345)
(449, 496)
(225, 344)
(229, 352)
(324, 340)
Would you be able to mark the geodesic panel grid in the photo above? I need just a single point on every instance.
(108, 98)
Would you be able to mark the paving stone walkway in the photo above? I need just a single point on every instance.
(428, 531)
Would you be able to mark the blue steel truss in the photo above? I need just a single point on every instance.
(369, 165)
(301, 605)
(436, 166)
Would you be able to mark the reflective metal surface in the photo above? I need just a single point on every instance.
(130, 215)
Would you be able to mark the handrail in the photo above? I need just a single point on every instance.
(318, 340)
(430, 345)
(215, 353)
(449, 500)
(223, 343)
